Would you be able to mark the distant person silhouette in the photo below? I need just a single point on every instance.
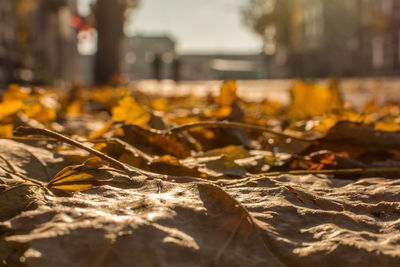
(176, 68)
(156, 65)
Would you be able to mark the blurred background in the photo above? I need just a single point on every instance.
(108, 41)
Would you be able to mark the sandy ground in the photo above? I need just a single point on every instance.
(275, 221)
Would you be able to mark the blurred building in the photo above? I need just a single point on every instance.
(336, 37)
(139, 52)
(222, 66)
(308, 38)
(138, 55)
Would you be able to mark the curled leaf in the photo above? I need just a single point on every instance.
(79, 177)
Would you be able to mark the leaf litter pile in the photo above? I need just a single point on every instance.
(115, 177)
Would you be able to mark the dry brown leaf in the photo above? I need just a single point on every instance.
(174, 145)
(362, 135)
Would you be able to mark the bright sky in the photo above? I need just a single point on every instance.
(196, 25)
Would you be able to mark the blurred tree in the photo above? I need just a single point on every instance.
(24, 33)
(110, 17)
(39, 41)
(271, 20)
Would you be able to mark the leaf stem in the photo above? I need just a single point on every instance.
(44, 139)
(362, 171)
(236, 125)
(24, 131)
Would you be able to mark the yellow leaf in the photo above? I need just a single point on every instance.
(73, 187)
(271, 108)
(160, 104)
(69, 179)
(104, 94)
(388, 125)
(75, 108)
(41, 113)
(6, 130)
(182, 120)
(109, 95)
(79, 177)
(10, 107)
(232, 152)
(310, 100)
(131, 112)
(227, 94)
(70, 175)
(223, 111)
(168, 159)
(93, 163)
(15, 92)
(330, 120)
(99, 133)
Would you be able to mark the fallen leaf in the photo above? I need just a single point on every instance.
(130, 111)
(309, 99)
(79, 177)
(75, 108)
(221, 166)
(6, 130)
(232, 152)
(362, 135)
(170, 165)
(16, 93)
(227, 95)
(10, 107)
(389, 125)
(41, 113)
(174, 145)
(125, 153)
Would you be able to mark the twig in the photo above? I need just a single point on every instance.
(29, 139)
(23, 131)
(236, 125)
(39, 139)
(8, 163)
(361, 171)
